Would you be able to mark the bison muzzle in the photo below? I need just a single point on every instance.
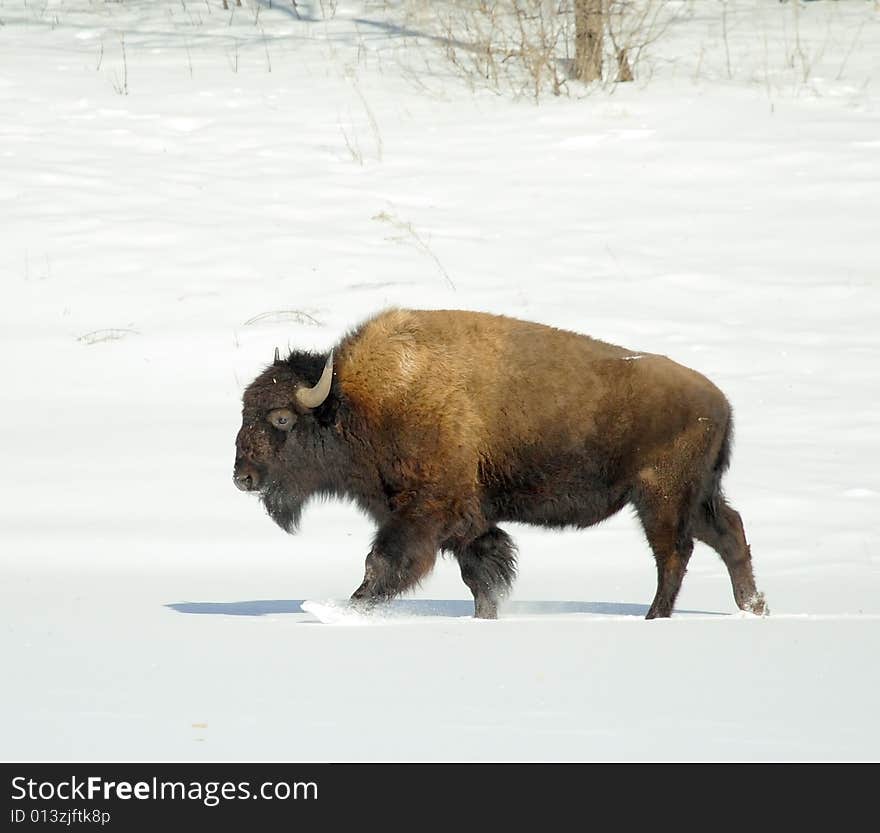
(442, 424)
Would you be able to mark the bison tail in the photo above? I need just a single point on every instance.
(713, 496)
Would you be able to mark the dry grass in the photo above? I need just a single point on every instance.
(279, 316)
(410, 233)
(112, 334)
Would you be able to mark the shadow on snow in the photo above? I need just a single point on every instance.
(425, 607)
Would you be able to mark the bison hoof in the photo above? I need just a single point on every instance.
(364, 603)
(485, 610)
(757, 605)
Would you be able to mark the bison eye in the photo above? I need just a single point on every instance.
(281, 418)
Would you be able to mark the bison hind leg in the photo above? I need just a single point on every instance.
(665, 518)
(719, 525)
(488, 568)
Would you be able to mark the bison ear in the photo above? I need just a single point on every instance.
(277, 356)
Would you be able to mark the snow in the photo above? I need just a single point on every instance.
(268, 181)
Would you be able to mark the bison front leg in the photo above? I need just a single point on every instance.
(403, 553)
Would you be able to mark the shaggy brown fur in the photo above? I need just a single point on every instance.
(442, 424)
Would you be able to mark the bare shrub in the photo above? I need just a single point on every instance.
(532, 47)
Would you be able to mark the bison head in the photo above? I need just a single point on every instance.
(281, 439)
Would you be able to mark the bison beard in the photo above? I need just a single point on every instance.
(441, 424)
(282, 507)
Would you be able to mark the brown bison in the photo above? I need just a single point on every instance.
(442, 424)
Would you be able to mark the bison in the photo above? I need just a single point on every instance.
(442, 424)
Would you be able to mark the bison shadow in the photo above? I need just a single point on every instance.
(453, 608)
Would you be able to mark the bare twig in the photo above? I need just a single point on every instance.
(112, 334)
(353, 145)
(279, 315)
(407, 228)
(121, 86)
(724, 34)
(849, 51)
(374, 125)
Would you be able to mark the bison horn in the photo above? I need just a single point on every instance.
(313, 397)
(277, 356)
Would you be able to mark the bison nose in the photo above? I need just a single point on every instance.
(247, 481)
